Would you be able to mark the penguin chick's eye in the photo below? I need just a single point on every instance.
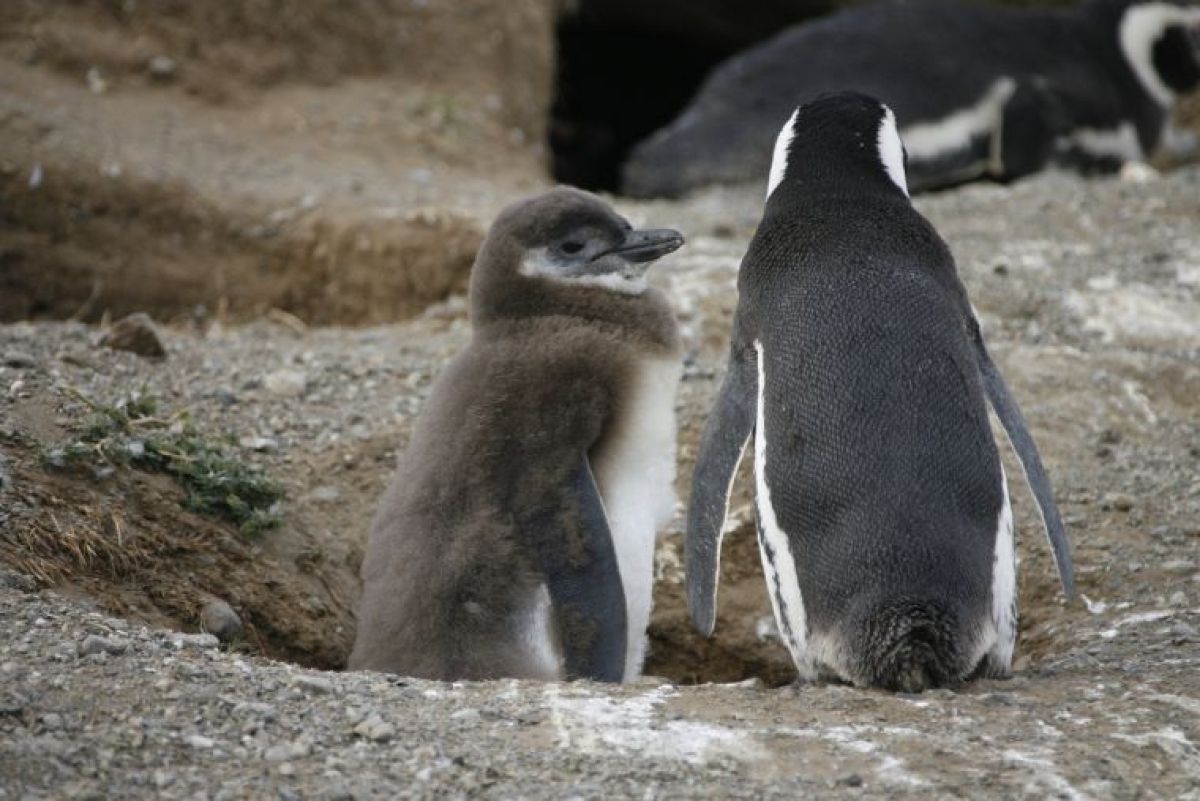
(571, 248)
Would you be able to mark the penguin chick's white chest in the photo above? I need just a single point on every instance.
(635, 472)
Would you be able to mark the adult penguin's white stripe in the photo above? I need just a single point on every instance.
(1004, 580)
(1119, 143)
(891, 151)
(779, 161)
(779, 567)
(935, 138)
(724, 518)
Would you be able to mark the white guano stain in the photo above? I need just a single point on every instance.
(1172, 742)
(857, 738)
(1136, 314)
(634, 726)
(1187, 704)
(1045, 780)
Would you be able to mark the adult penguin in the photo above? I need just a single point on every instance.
(978, 91)
(859, 380)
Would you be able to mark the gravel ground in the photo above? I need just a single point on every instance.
(92, 707)
(1090, 296)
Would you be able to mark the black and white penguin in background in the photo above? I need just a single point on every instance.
(859, 382)
(517, 537)
(978, 91)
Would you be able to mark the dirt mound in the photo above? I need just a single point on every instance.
(125, 539)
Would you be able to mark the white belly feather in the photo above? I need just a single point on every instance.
(635, 472)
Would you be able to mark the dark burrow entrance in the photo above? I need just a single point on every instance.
(614, 87)
(627, 68)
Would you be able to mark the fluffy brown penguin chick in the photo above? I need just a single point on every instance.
(517, 537)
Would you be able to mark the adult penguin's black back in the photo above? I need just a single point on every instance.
(859, 378)
(979, 90)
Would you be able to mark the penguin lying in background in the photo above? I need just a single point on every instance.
(859, 380)
(978, 92)
(517, 537)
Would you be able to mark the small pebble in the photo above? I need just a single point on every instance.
(136, 334)
(466, 715)
(326, 493)
(95, 644)
(11, 706)
(162, 67)
(1121, 502)
(375, 729)
(198, 641)
(286, 383)
(95, 82)
(218, 618)
(1185, 631)
(278, 753)
(18, 359)
(256, 443)
(316, 684)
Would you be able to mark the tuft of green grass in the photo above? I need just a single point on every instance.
(129, 433)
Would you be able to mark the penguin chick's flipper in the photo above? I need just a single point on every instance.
(1022, 443)
(585, 586)
(729, 427)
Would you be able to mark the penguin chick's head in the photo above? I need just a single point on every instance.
(1160, 40)
(556, 245)
(838, 139)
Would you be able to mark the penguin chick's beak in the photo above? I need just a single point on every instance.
(643, 247)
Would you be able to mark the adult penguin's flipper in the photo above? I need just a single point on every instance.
(1010, 416)
(729, 427)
